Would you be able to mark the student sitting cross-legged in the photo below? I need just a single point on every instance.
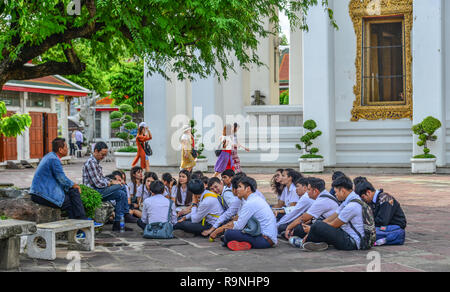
(205, 211)
(390, 220)
(232, 201)
(300, 208)
(324, 205)
(254, 208)
(344, 229)
(156, 207)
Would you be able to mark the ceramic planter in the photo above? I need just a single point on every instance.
(423, 165)
(124, 159)
(202, 164)
(311, 165)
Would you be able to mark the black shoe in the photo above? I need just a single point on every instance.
(130, 218)
(116, 227)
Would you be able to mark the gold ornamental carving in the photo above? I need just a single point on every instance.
(358, 10)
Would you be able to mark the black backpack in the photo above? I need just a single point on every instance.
(370, 235)
(147, 149)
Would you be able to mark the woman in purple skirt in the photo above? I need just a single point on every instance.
(225, 160)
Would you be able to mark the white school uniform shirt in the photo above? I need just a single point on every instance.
(227, 194)
(261, 211)
(303, 204)
(156, 209)
(130, 187)
(234, 205)
(351, 212)
(289, 195)
(206, 207)
(183, 195)
(142, 192)
(323, 207)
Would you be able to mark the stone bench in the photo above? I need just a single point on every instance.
(48, 231)
(10, 232)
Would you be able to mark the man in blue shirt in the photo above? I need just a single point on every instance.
(51, 187)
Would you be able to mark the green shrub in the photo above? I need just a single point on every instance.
(284, 98)
(91, 200)
(3, 217)
(425, 130)
(200, 146)
(122, 120)
(307, 140)
(129, 149)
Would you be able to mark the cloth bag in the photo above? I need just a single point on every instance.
(253, 227)
(160, 230)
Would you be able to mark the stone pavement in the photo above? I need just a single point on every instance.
(424, 198)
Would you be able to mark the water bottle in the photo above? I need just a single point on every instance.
(122, 224)
(381, 241)
(296, 241)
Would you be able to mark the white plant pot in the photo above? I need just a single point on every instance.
(423, 165)
(311, 165)
(202, 164)
(124, 160)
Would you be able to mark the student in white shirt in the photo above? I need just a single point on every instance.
(156, 207)
(289, 197)
(144, 191)
(180, 193)
(344, 228)
(323, 207)
(227, 176)
(255, 207)
(303, 204)
(233, 203)
(205, 210)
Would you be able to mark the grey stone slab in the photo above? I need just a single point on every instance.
(11, 227)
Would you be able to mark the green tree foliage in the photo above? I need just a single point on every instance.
(284, 97)
(284, 40)
(188, 37)
(200, 146)
(14, 125)
(308, 138)
(121, 120)
(127, 84)
(425, 130)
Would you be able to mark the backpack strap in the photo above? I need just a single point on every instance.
(330, 197)
(350, 223)
(212, 195)
(170, 210)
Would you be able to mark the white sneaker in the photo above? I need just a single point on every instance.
(313, 246)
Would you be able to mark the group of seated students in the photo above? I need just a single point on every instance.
(320, 218)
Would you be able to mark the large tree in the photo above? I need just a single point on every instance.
(189, 37)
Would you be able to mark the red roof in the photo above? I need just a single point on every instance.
(105, 101)
(284, 69)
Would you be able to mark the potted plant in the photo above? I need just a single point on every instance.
(426, 162)
(310, 162)
(202, 161)
(122, 120)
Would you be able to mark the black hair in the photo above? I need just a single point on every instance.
(118, 173)
(205, 180)
(167, 177)
(337, 174)
(343, 182)
(157, 187)
(235, 182)
(240, 175)
(276, 186)
(196, 187)
(197, 175)
(188, 193)
(150, 174)
(295, 175)
(212, 181)
(248, 182)
(303, 181)
(358, 180)
(58, 143)
(133, 172)
(99, 146)
(111, 176)
(363, 187)
(317, 183)
(229, 173)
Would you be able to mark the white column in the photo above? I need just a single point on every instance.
(428, 71)
(296, 67)
(318, 98)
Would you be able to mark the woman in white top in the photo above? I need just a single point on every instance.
(234, 151)
(225, 160)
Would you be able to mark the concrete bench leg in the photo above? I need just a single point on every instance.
(9, 253)
(85, 244)
(47, 253)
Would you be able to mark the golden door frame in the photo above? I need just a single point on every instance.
(358, 10)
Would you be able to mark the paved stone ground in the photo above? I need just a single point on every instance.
(425, 199)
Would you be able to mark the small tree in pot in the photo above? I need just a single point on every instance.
(426, 162)
(122, 120)
(310, 162)
(202, 161)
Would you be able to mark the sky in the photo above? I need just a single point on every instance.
(285, 27)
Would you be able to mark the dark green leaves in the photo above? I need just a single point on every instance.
(425, 130)
(308, 138)
(14, 125)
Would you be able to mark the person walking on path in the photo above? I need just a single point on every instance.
(143, 136)
(234, 151)
(187, 144)
(225, 160)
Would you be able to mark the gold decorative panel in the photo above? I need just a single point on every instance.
(361, 10)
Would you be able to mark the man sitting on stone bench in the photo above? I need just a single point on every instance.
(51, 187)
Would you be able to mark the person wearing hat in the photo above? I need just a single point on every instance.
(187, 144)
(143, 136)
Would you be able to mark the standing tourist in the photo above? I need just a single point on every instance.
(187, 144)
(234, 151)
(143, 136)
(225, 160)
(79, 139)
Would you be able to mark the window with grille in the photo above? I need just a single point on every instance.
(10, 98)
(38, 100)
